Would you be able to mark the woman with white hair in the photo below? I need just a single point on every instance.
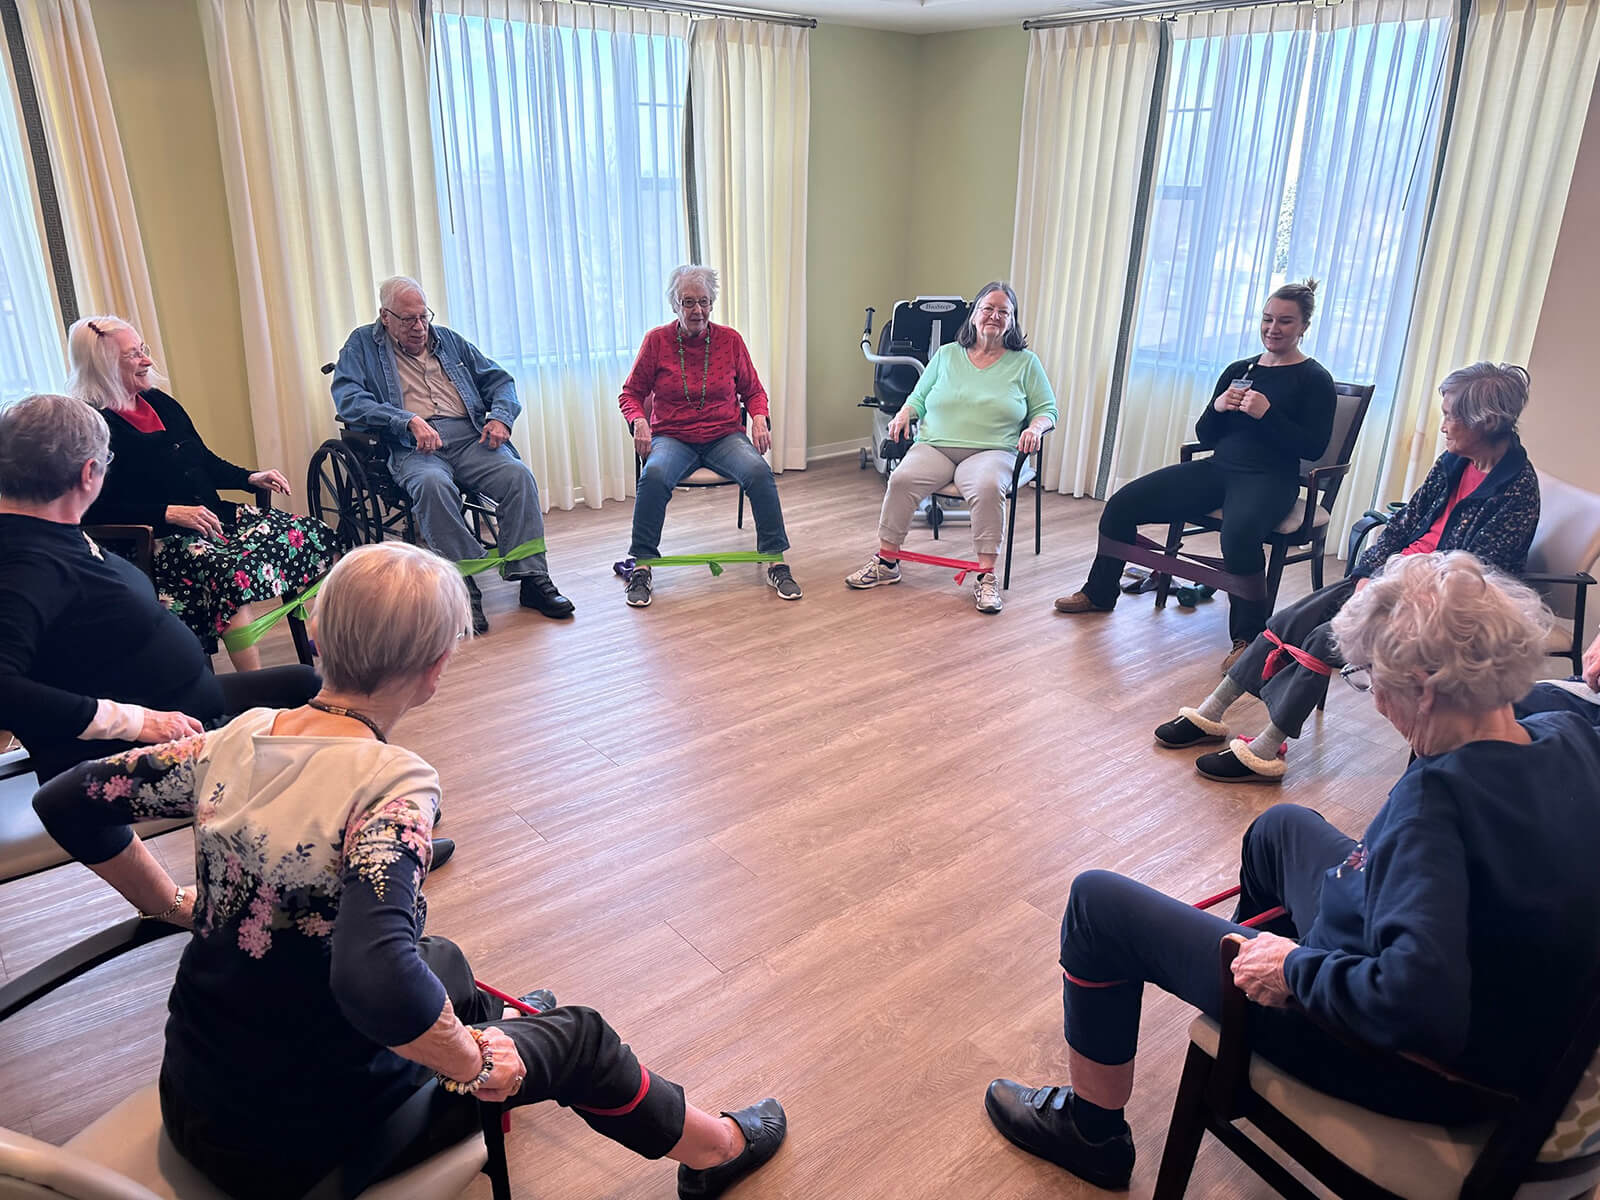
(1482, 495)
(685, 402)
(308, 1005)
(213, 558)
(1459, 930)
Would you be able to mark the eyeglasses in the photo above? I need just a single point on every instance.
(134, 355)
(105, 463)
(1358, 677)
(412, 322)
(991, 311)
(695, 302)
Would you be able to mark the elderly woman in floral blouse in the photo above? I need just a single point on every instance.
(308, 1005)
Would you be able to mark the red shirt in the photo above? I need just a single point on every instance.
(666, 391)
(1471, 477)
(142, 417)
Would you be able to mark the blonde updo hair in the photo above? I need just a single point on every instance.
(1447, 619)
(388, 612)
(1303, 294)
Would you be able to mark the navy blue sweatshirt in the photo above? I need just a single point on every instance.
(1465, 923)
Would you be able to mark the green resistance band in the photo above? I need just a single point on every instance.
(714, 561)
(248, 635)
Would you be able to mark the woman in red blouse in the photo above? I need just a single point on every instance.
(685, 402)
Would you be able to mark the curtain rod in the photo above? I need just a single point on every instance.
(707, 10)
(1113, 11)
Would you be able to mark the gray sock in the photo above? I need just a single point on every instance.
(1265, 744)
(1214, 705)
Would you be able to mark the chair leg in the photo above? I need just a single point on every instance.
(494, 1118)
(1275, 575)
(302, 641)
(1318, 547)
(741, 508)
(1011, 539)
(1163, 579)
(1187, 1129)
(935, 516)
(1038, 515)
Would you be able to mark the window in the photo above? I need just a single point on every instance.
(32, 355)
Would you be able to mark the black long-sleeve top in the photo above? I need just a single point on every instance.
(154, 470)
(1296, 425)
(79, 624)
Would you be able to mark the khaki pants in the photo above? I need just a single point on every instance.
(982, 476)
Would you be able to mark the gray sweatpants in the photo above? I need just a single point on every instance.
(982, 476)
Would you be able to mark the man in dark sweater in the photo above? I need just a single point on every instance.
(91, 663)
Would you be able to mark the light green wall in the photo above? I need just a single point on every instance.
(155, 61)
(856, 237)
(913, 186)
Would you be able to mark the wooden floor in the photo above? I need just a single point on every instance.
(818, 850)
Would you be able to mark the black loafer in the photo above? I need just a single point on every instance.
(540, 999)
(763, 1126)
(540, 593)
(443, 848)
(480, 623)
(1040, 1121)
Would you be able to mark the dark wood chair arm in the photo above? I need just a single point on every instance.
(1577, 578)
(141, 539)
(1188, 450)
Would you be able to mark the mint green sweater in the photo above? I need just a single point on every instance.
(959, 405)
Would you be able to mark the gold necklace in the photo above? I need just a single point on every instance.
(683, 374)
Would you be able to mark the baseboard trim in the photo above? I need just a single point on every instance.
(835, 449)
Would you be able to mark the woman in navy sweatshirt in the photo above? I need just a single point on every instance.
(1425, 937)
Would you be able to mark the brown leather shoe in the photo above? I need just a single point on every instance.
(1078, 602)
(1239, 647)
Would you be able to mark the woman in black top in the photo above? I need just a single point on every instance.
(90, 662)
(1266, 414)
(213, 558)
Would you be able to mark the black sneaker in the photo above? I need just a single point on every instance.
(639, 587)
(480, 623)
(781, 581)
(764, 1127)
(1040, 1121)
(540, 999)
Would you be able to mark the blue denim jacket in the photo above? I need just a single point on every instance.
(366, 384)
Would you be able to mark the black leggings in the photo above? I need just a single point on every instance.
(214, 701)
(1118, 934)
(1252, 504)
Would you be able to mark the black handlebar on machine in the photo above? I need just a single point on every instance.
(866, 330)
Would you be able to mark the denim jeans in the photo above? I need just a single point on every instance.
(435, 481)
(732, 456)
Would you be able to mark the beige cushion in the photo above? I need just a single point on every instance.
(24, 845)
(703, 477)
(1410, 1158)
(130, 1140)
(1296, 514)
(31, 1168)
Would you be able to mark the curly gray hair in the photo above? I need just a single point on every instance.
(706, 277)
(44, 442)
(1448, 620)
(1489, 399)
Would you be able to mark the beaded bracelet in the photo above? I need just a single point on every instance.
(454, 1086)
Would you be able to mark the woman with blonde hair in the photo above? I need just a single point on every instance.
(308, 1005)
(214, 559)
(1460, 929)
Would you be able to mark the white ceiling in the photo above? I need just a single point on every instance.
(927, 16)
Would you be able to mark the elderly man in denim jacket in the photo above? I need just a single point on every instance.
(445, 412)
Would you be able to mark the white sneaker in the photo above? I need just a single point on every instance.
(986, 593)
(874, 573)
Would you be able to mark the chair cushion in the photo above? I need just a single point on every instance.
(29, 1167)
(131, 1141)
(703, 477)
(1291, 522)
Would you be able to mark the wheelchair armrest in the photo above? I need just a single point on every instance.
(1358, 536)
(60, 969)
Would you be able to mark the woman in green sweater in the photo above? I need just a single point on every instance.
(971, 402)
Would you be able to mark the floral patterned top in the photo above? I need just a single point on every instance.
(303, 967)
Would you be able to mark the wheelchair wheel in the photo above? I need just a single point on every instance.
(339, 495)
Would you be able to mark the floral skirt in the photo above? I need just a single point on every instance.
(268, 554)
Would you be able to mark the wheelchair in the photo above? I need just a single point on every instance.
(350, 490)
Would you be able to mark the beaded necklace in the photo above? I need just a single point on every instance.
(683, 374)
(339, 711)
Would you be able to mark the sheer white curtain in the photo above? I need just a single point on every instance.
(32, 346)
(560, 150)
(322, 116)
(1233, 93)
(1086, 119)
(751, 84)
(1507, 171)
(109, 273)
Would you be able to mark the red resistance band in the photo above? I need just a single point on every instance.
(962, 566)
(1282, 650)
